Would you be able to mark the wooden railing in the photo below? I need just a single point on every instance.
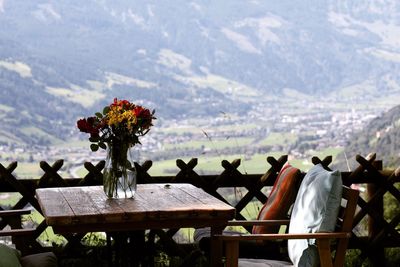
(380, 232)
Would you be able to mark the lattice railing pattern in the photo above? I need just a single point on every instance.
(381, 233)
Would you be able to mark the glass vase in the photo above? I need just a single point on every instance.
(119, 175)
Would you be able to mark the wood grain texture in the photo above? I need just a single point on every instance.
(74, 209)
(54, 206)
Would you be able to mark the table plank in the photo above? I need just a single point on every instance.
(187, 201)
(153, 203)
(54, 206)
(156, 206)
(111, 211)
(203, 196)
(175, 191)
(82, 205)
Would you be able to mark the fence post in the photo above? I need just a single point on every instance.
(378, 257)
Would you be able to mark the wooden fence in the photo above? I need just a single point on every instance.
(381, 232)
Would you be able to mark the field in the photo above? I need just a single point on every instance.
(210, 144)
(216, 143)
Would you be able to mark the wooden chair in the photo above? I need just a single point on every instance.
(341, 234)
(22, 239)
(276, 207)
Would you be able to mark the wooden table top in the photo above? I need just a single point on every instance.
(87, 209)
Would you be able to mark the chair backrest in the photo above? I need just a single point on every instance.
(345, 222)
(342, 233)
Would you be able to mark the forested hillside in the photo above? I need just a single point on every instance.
(381, 136)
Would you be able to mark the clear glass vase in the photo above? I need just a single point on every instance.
(119, 174)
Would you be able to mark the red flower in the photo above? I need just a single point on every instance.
(121, 103)
(137, 111)
(88, 126)
(144, 115)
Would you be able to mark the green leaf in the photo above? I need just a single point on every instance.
(94, 147)
(102, 145)
(106, 110)
(94, 139)
(99, 115)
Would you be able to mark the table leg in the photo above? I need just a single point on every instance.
(109, 251)
(216, 246)
(117, 252)
(128, 249)
(136, 248)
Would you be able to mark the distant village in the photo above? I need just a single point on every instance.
(313, 129)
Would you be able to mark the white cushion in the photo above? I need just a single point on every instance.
(263, 263)
(315, 210)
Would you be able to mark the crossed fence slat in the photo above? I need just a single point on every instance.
(94, 175)
(368, 171)
(51, 176)
(27, 197)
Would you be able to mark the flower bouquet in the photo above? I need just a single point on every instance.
(117, 129)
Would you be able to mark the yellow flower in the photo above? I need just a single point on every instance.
(114, 116)
(117, 116)
(130, 118)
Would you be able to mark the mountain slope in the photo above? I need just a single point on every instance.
(381, 136)
(30, 115)
(195, 58)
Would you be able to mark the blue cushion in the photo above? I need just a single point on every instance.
(315, 210)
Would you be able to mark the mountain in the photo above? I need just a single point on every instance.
(68, 58)
(380, 136)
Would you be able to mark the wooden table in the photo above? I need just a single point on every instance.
(156, 206)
